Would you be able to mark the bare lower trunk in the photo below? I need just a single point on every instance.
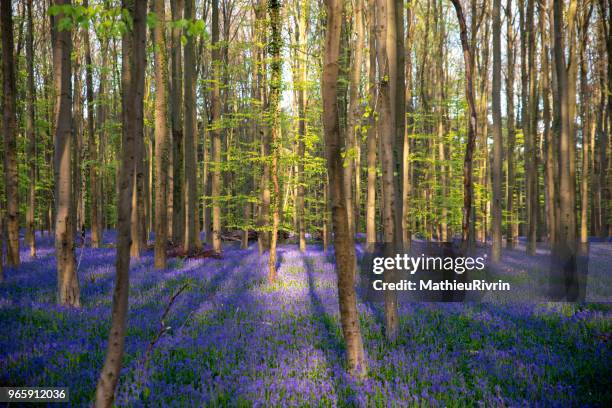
(31, 133)
(497, 136)
(275, 94)
(191, 241)
(349, 316)
(469, 149)
(161, 138)
(68, 285)
(132, 76)
(10, 136)
(216, 131)
(510, 219)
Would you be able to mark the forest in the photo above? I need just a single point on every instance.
(190, 189)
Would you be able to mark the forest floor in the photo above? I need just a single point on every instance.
(232, 339)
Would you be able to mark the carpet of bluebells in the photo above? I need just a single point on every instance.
(233, 339)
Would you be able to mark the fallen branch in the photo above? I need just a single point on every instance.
(162, 330)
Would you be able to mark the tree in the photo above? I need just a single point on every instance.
(275, 94)
(564, 248)
(161, 137)
(10, 135)
(510, 123)
(68, 284)
(31, 132)
(387, 71)
(497, 136)
(134, 41)
(342, 240)
(176, 221)
(471, 137)
(216, 130)
(531, 119)
(302, 31)
(191, 229)
(371, 141)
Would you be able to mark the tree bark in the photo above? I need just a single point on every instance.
(564, 249)
(510, 118)
(161, 137)
(31, 133)
(345, 262)
(547, 134)
(216, 130)
(469, 149)
(177, 222)
(137, 222)
(497, 136)
(275, 94)
(191, 241)
(68, 284)
(133, 75)
(302, 29)
(371, 142)
(531, 169)
(10, 136)
(387, 70)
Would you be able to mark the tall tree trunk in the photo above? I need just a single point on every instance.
(302, 29)
(132, 77)
(10, 136)
(531, 168)
(371, 142)
(469, 149)
(31, 133)
(387, 71)
(349, 316)
(564, 249)
(275, 94)
(68, 284)
(264, 209)
(406, 169)
(398, 94)
(92, 147)
(176, 109)
(510, 118)
(192, 241)
(497, 136)
(161, 137)
(216, 131)
(547, 134)
(137, 222)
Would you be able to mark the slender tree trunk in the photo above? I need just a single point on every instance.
(510, 36)
(469, 149)
(497, 136)
(10, 136)
(302, 29)
(371, 141)
(68, 284)
(406, 167)
(161, 137)
(176, 108)
(349, 316)
(275, 94)
(92, 147)
(191, 223)
(31, 134)
(547, 134)
(216, 131)
(137, 223)
(564, 249)
(387, 69)
(531, 135)
(133, 76)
